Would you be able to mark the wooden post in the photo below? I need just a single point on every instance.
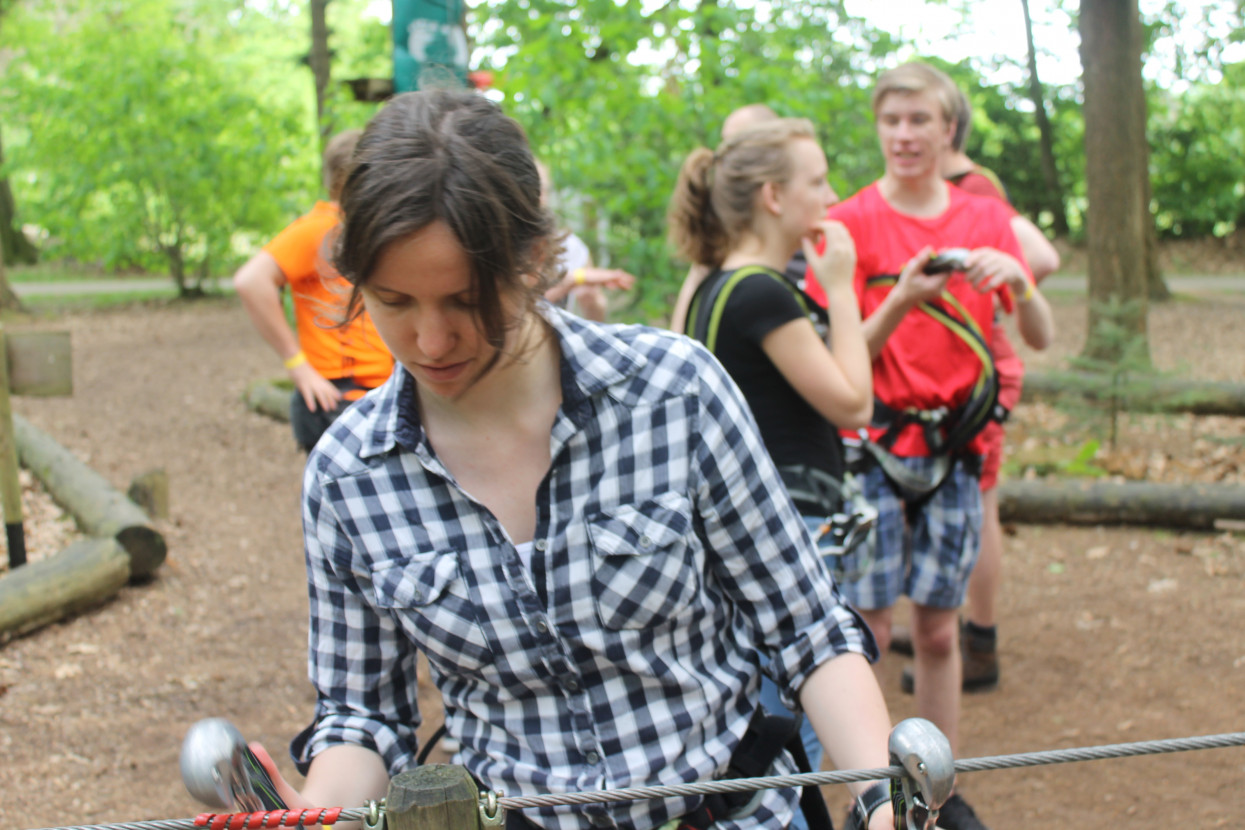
(433, 797)
(10, 484)
(150, 491)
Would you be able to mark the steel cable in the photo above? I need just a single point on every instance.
(995, 762)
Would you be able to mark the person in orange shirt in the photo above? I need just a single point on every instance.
(332, 364)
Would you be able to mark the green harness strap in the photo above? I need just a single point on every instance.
(704, 326)
(970, 418)
(985, 390)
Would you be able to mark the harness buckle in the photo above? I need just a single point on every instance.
(929, 773)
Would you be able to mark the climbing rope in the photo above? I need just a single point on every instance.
(288, 818)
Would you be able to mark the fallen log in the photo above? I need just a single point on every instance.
(1187, 506)
(267, 398)
(97, 507)
(1140, 394)
(85, 574)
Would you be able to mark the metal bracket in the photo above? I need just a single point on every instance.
(375, 818)
(491, 813)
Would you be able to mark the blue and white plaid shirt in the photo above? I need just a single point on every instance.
(668, 569)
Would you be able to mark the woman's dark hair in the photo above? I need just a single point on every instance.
(452, 157)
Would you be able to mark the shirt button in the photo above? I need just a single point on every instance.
(592, 758)
(417, 594)
(572, 684)
(646, 542)
(540, 544)
(542, 626)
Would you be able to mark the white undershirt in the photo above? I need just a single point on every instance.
(525, 554)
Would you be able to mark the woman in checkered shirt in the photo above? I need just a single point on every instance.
(576, 523)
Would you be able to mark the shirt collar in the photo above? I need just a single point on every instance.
(594, 358)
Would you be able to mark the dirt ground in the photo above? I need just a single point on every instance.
(1108, 635)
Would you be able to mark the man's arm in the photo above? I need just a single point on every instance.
(259, 283)
(1039, 253)
(990, 269)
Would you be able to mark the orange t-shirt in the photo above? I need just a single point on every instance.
(353, 351)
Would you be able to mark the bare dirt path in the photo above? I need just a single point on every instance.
(1109, 635)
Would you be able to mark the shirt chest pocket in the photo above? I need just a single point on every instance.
(427, 596)
(644, 567)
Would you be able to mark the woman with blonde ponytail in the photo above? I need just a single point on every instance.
(743, 211)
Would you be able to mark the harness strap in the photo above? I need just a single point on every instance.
(946, 431)
(705, 312)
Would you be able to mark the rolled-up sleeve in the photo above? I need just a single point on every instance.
(360, 664)
(760, 548)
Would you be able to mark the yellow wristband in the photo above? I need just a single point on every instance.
(579, 277)
(1028, 295)
(296, 361)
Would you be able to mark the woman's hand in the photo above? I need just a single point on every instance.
(835, 265)
(318, 392)
(293, 798)
(883, 818)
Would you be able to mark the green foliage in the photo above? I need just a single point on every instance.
(150, 145)
(1082, 464)
(614, 98)
(1197, 169)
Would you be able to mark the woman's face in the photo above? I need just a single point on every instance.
(421, 297)
(807, 195)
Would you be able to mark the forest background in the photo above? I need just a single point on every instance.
(176, 136)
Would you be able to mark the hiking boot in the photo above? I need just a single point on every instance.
(901, 640)
(980, 670)
(957, 815)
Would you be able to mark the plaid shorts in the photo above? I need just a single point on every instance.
(927, 554)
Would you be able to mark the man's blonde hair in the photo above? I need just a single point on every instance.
(914, 78)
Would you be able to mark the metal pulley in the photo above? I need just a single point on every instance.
(929, 773)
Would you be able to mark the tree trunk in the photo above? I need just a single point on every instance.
(1190, 506)
(1046, 140)
(97, 507)
(1141, 394)
(15, 246)
(320, 67)
(267, 398)
(9, 301)
(83, 575)
(1156, 286)
(1114, 171)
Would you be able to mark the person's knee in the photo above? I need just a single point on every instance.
(936, 633)
(879, 622)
